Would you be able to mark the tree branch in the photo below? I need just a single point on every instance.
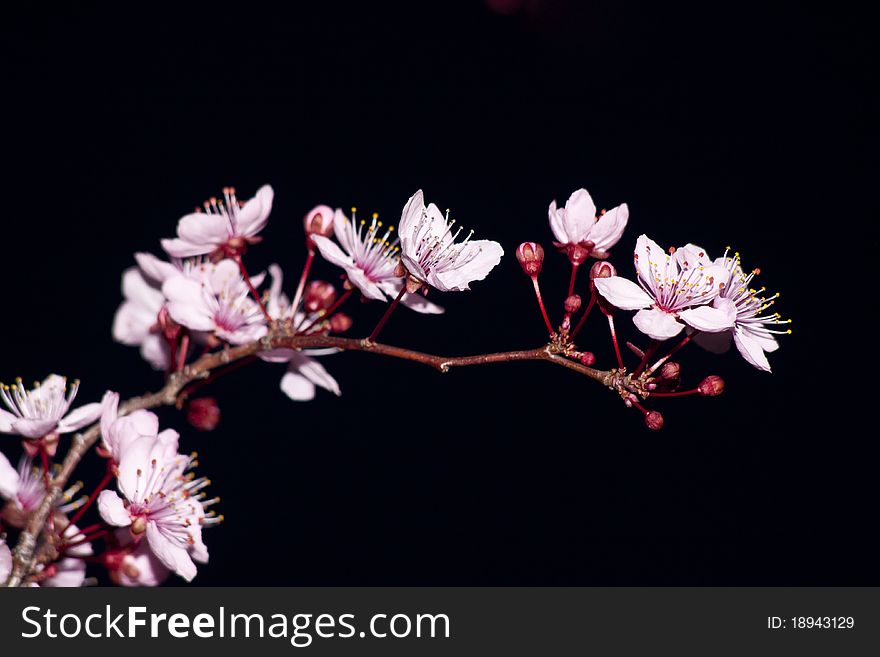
(26, 552)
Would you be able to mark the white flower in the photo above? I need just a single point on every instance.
(750, 331)
(225, 227)
(369, 259)
(136, 321)
(433, 257)
(304, 373)
(218, 303)
(673, 290)
(43, 410)
(25, 488)
(576, 226)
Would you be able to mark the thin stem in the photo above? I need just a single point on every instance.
(108, 476)
(297, 297)
(660, 362)
(541, 305)
(583, 318)
(682, 393)
(574, 271)
(254, 293)
(332, 309)
(184, 349)
(614, 340)
(649, 352)
(388, 312)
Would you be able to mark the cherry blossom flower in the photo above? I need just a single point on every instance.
(160, 501)
(117, 433)
(5, 561)
(217, 303)
(24, 489)
(304, 374)
(673, 290)
(44, 410)
(370, 259)
(70, 570)
(8, 479)
(136, 321)
(224, 228)
(750, 331)
(433, 257)
(580, 233)
(134, 564)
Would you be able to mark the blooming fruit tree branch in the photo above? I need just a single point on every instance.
(201, 314)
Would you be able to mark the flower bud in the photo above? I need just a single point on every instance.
(653, 420)
(711, 386)
(340, 323)
(602, 269)
(587, 358)
(531, 257)
(319, 295)
(572, 304)
(203, 413)
(671, 371)
(319, 221)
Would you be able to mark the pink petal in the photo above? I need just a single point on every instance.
(297, 387)
(480, 256)
(9, 481)
(657, 324)
(5, 561)
(314, 372)
(413, 266)
(132, 324)
(203, 228)
(557, 223)
(135, 288)
(623, 293)
(79, 417)
(252, 218)
(412, 213)
(367, 287)
(170, 553)
(607, 231)
(344, 231)
(155, 350)
(648, 251)
(155, 269)
(187, 303)
(33, 428)
(112, 509)
(331, 252)
(580, 215)
(149, 570)
(6, 420)
(178, 248)
(720, 316)
(751, 350)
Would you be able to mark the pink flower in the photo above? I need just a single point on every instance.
(9, 479)
(5, 561)
(160, 501)
(750, 330)
(70, 571)
(433, 257)
(43, 410)
(117, 433)
(369, 259)
(216, 303)
(304, 374)
(135, 564)
(673, 290)
(580, 233)
(225, 227)
(136, 321)
(24, 489)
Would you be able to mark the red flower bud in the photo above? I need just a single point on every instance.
(319, 295)
(531, 257)
(711, 386)
(671, 371)
(319, 221)
(653, 420)
(203, 413)
(602, 269)
(572, 304)
(340, 323)
(588, 358)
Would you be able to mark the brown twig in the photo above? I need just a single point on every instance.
(26, 553)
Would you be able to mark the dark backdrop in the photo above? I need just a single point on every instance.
(740, 126)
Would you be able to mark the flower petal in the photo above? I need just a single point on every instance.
(112, 509)
(367, 287)
(647, 252)
(557, 223)
(478, 258)
(33, 428)
(411, 214)
(312, 370)
(155, 269)
(155, 350)
(203, 228)
(178, 248)
(173, 556)
(608, 229)
(9, 481)
(331, 252)
(750, 349)
(657, 324)
(187, 303)
(6, 420)
(5, 561)
(580, 215)
(623, 293)
(137, 289)
(79, 417)
(254, 215)
(720, 316)
(416, 302)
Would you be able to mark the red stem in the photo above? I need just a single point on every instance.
(302, 279)
(247, 279)
(660, 362)
(184, 349)
(574, 271)
(614, 340)
(583, 318)
(541, 305)
(649, 352)
(86, 539)
(391, 309)
(682, 393)
(108, 476)
(332, 309)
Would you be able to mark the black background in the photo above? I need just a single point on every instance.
(718, 125)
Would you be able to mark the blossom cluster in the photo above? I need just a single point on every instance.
(199, 300)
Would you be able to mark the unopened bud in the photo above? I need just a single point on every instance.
(531, 257)
(711, 386)
(671, 371)
(653, 420)
(572, 304)
(602, 269)
(203, 413)
(587, 358)
(319, 295)
(319, 221)
(340, 323)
